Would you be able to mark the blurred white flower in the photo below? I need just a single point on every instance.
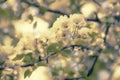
(7, 47)
(24, 28)
(116, 73)
(78, 20)
(62, 23)
(57, 63)
(41, 73)
(88, 9)
(15, 6)
(84, 33)
(103, 75)
(33, 11)
(105, 10)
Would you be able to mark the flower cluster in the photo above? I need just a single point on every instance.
(67, 28)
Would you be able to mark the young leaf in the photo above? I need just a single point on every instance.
(53, 48)
(1, 62)
(79, 41)
(1, 73)
(19, 57)
(4, 13)
(71, 73)
(93, 34)
(42, 10)
(11, 77)
(107, 51)
(41, 64)
(27, 73)
(65, 53)
(27, 58)
(30, 17)
(34, 25)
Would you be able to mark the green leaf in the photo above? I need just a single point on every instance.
(11, 77)
(72, 2)
(1, 73)
(115, 32)
(69, 72)
(79, 41)
(33, 60)
(53, 48)
(4, 13)
(56, 71)
(36, 51)
(107, 51)
(19, 57)
(29, 54)
(24, 0)
(30, 17)
(1, 62)
(27, 73)
(93, 34)
(34, 25)
(1, 1)
(65, 52)
(30, 58)
(27, 58)
(83, 74)
(108, 20)
(42, 10)
(41, 64)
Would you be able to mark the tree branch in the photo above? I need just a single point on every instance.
(95, 20)
(97, 2)
(106, 32)
(99, 50)
(78, 78)
(47, 9)
(75, 45)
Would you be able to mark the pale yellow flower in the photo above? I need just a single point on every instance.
(84, 34)
(26, 42)
(78, 20)
(64, 36)
(88, 9)
(7, 40)
(62, 23)
(41, 73)
(7, 48)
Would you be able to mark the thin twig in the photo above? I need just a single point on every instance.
(78, 78)
(95, 20)
(47, 9)
(75, 45)
(92, 67)
(99, 51)
(106, 32)
(97, 2)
